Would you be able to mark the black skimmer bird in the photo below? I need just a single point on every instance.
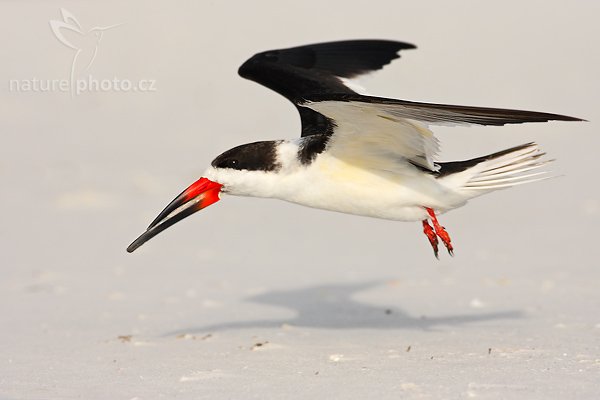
(358, 154)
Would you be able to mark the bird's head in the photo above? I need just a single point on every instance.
(246, 170)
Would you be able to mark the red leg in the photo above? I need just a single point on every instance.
(433, 240)
(440, 231)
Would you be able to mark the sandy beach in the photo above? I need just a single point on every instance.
(261, 299)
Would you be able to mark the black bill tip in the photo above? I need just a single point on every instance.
(156, 229)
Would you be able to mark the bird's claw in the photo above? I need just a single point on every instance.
(441, 232)
(432, 236)
(435, 232)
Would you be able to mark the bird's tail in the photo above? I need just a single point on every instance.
(507, 168)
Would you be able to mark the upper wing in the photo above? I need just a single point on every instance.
(306, 72)
(378, 131)
(442, 113)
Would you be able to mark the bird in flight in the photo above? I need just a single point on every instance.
(358, 154)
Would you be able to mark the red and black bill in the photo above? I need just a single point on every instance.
(199, 195)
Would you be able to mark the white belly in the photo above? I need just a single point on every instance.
(333, 185)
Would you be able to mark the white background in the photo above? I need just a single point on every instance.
(82, 177)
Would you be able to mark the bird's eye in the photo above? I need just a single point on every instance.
(230, 163)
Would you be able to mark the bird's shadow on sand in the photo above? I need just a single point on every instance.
(332, 307)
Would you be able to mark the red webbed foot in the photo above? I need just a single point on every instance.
(435, 232)
(433, 240)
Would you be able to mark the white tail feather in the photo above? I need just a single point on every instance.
(515, 164)
(498, 171)
(510, 171)
(507, 185)
(503, 180)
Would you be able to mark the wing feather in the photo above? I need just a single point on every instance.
(301, 73)
(443, 113)
(370, 137)
(315, 76)
(396, 129)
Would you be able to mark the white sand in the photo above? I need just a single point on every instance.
(258, 299)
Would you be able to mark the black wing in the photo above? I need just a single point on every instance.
(306, 72)
(432, 113)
